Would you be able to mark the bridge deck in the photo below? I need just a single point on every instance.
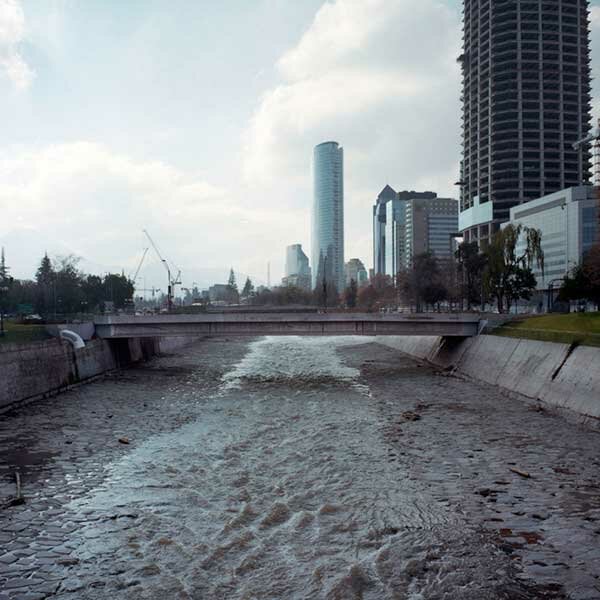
(288, 324)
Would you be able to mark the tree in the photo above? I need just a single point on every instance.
(351, 294)
(583, 282)
(232, 283)
(93, 290)
(471, 265)
(5, 286)
(248, 288)
(507, 275)
(423, 284)
(45, 278)
(591, 266)
(118, 289)
(68, 285)
(4, 270)
(368, 297)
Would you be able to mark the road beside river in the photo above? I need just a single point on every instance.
(293, 468)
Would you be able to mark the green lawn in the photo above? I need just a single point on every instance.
(22, 334)
(583, 328)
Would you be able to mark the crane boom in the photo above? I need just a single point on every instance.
(166, 265)
(137, 271)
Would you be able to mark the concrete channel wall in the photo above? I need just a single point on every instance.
(39, 369)
(556, 374)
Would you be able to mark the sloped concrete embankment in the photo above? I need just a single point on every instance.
(559, 375)
(39, 369)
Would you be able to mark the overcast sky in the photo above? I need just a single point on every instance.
(196, 119)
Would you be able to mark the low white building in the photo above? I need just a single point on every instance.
(568, 220)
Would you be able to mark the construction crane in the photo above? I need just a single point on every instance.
(153, 290)
(171, 282)
(594, 138)
(137, 271)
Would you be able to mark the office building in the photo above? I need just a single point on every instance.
(297, 269)
(355, 269)
(395, 236)
(568, 221)
(526, 100)
(388, 229)
(431, 225)
(328, 215)
(379, 227)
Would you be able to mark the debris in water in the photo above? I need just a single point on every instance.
(123, 440)
(524, 474)
(18, 499)
(409, 415)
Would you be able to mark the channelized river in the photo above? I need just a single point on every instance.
(285, 487)
(292, 469)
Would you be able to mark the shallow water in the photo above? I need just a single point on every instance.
(283, 489)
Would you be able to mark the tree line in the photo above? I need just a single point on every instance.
(60, 287)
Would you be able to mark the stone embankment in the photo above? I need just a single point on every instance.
(563, 376)
(40, 369)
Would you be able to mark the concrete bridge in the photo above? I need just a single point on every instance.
(309, 324)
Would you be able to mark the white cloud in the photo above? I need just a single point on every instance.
(96, 202)
(12, 32)
(381, 78)
(595, 16)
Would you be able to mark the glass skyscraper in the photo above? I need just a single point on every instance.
(328, 215)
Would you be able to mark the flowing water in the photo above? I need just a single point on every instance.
(283, 488)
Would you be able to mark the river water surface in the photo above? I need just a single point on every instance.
(285, 487)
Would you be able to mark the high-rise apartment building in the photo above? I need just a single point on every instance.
(526, 100)
(297, 269)
(328, 215)
(430, 227)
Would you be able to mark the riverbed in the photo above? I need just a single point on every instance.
(293, 468)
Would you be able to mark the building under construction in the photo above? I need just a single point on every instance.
(526, 101)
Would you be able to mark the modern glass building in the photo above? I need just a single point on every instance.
(297, 269)
(568, 221)
(388, 228)
(526, 100)
(296, 262)
(328, 215)
(386, 195)
(430, 227)
(355, 269)
(395, 236)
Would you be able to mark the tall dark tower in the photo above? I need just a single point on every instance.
(526, 100)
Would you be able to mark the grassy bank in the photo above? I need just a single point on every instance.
(583, 328)
(23, 334)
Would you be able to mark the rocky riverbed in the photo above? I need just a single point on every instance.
(293, 468)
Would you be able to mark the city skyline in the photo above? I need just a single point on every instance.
(89, 134)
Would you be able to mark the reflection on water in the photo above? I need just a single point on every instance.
(283, 489)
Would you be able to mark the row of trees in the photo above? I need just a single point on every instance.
(60, 287)
(498, 273)
(583, 282)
